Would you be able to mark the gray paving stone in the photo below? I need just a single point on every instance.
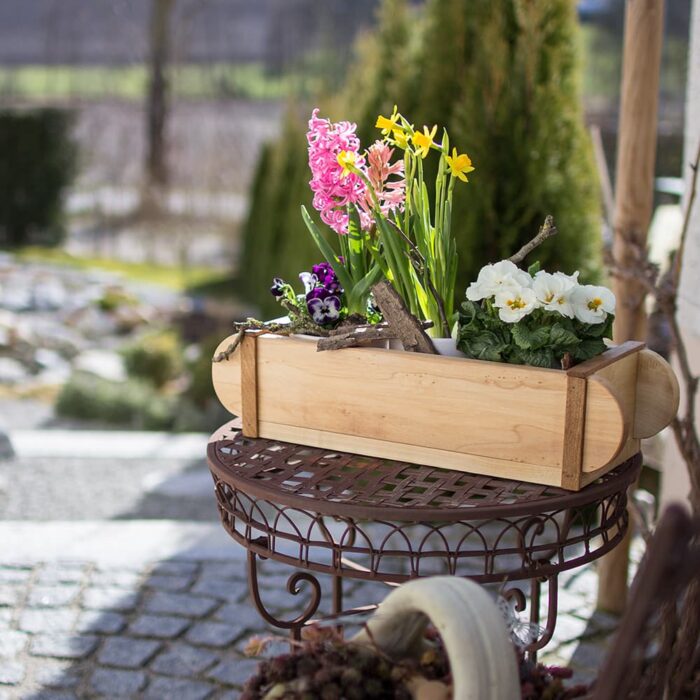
(588, 655)
(224, 569)
(53, 695)
(174, 568)
(183, 660)
(113, 683)
(9, 595)
(159, 626)
(110, 598)
(230, 695)
(184, 604)
(6, 615)
(126, 652)
(233, 671)
(230, 590)
(12, 643)
(12, 575)
(117, 577)
(213, 634)
(160, 688)
(101, 621)
(62, 573)
(169, 583)
(243, 616)
(569, 627)
(63, 646)
(11, 672)
(52, 596)
(603, 622)
(56, 674)
(48, 621)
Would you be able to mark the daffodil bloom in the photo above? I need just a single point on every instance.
(400, 139)
(346, 159)
(424, 141)
(459, 165)
(388, 124)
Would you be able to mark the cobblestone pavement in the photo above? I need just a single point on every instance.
(176, 629)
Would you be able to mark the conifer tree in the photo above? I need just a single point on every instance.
(503, 77)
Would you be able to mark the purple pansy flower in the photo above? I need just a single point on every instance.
(277, 288)
(324, 305)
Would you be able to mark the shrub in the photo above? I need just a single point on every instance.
(134, 404)
(37, 166)
(503, 77)
(154, 357)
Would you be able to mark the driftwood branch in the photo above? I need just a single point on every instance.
(547, 230)
(350, 337)
(407, 327)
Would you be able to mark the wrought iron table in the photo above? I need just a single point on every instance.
(352, 516)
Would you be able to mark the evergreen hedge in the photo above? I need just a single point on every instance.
(38, 164)
(503, 77)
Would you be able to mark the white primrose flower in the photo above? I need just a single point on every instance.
(592, 304)
(514, 303)
(493, 278)
(553, 291)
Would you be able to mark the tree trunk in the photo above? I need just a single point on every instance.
(157, 105)
(634, 186)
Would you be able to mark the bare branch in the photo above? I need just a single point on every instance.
(547, 230)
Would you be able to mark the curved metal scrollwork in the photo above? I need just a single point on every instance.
(294, 587)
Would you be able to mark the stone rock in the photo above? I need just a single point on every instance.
(213, 634)
(233, 671)
(11, 672)
(12, 643)
(181, 689)
(101, 621)
(48, 621)
(158, 626)
(112, 683)
(183, 660)
(63, 646)
(110, 599)
(126, 652)
(183, 604)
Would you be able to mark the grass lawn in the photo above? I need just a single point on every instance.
(193, 81)
(177, 278)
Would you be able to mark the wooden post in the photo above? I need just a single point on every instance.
(634, 185)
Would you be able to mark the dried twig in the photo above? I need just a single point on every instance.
(547, 230)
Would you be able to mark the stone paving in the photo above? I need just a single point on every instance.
(176, 629)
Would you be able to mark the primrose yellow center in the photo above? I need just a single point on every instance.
(549, 297)
(593, 304)
(516, 303)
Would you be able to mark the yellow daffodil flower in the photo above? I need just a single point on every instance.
(346, 159)
(400, 139)
(387, 124)
(424, 141)
(459, 165)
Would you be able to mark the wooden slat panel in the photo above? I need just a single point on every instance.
(574, 427)
(249, 385)
(480, 408)
(444, 459)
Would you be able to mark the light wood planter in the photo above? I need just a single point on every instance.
(539, 425)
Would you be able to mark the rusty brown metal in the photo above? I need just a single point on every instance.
(351, 516)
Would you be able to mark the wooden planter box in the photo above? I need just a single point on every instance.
(539, 425)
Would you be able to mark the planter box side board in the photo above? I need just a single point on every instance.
(543, 426)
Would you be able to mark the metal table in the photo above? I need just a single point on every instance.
(352, 516)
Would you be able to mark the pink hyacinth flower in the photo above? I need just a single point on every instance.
(333, 191)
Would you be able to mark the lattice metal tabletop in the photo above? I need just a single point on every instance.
(353, 516)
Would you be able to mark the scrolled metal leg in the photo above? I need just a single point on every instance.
(543, 636)
(294, 588)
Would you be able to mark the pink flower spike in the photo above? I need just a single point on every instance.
(333, 191)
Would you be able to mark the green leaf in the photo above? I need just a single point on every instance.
(534, 268)
(482, 346)
(326, 250)
(534, 358)
(560, 337)
(587, 348)
(530, 339)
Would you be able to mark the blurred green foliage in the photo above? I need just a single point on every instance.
(134, 404)
(503, 77)
(38, 164)
(155, 357)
